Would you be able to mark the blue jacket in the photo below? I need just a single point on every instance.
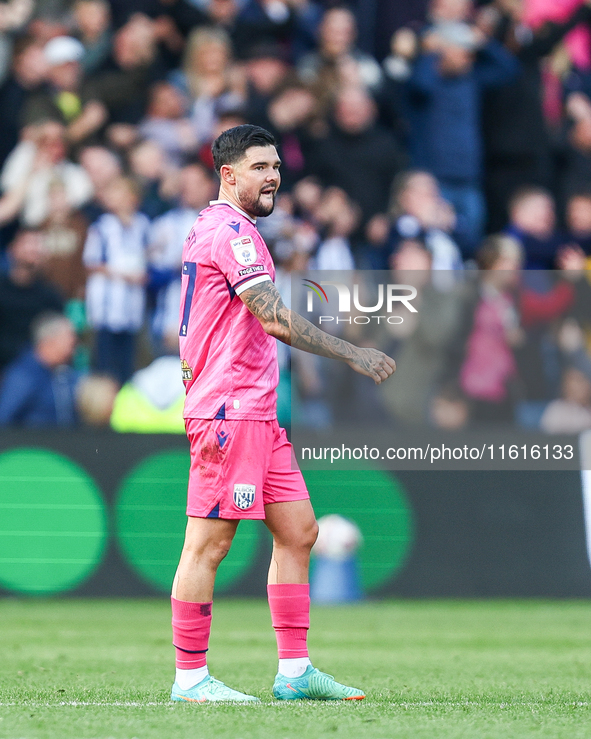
(445, 136)
(31, 394)
(539, 253)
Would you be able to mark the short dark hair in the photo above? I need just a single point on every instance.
(231, 146)
(579, 192)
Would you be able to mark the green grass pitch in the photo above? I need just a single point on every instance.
(101, 669)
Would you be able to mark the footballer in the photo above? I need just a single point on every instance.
(242, 464)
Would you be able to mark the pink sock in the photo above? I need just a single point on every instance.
(191, 624)
(290, 614)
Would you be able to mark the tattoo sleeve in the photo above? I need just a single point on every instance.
(264, 301)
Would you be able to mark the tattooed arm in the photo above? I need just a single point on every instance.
(264, 302)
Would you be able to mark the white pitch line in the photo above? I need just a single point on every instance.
(281, 704)
(125, 704)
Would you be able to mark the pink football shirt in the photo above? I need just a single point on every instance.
(229, 363)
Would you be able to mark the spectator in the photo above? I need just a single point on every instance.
(289, 115)
(102, 166)
(339, 218)
(445, 94)
(423, 340)
(208, 79)
(373, 252)
(571, 413)
(13, 16)
(152, 401)
(489, 370)
(24, 294)
(167, 124)
(441, 12)
(64, 233)
(541, 13)
(306, 196)
(571, 339)
(115, 255)
(44, 152)
(419, 212)
(11, 204)
(267, 73)
(338, 61)
(577, 166)
(264, 22)
(150, 168)
(223, 14)
(95, 395)
(449, 408)
(123, 89)
(308, 15)
(66, 99)
(533, 223)
(358, 155)
(226, 120)
(517, 141)
(578, 220)
(397, 68)
(168, 234)
(124, 11)
(543, 301)
(404, 48)
(38, 387)
(289, 238)
(29, 68)
(93, 21)
(184, 15)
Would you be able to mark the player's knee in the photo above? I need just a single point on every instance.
(300, 538)
(218, 550)
(312, 535)
(306, 538)
(210, 551)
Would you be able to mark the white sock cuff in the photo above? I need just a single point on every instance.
(187, 679)
(294, 667)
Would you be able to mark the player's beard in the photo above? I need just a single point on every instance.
(254, 205)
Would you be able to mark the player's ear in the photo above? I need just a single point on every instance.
(227, 174)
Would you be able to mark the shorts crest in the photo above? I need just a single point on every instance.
(244, 496)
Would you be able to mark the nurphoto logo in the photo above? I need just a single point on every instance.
(389, 297)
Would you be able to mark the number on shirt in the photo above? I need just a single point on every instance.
(189, 269)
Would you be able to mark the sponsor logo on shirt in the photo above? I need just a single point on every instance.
(187, 371)
(244, 496)
(244, 250)
(251, 270)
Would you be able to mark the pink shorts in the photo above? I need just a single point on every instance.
(238, 467)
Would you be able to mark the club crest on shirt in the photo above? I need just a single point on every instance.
(244, 496)
(186, 370)
(244, 250)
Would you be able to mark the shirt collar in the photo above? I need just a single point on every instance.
(238, 210)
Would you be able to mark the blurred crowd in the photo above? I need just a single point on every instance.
(494, 347)
(468, 146)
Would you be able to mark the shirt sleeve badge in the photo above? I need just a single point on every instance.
(244, 250)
